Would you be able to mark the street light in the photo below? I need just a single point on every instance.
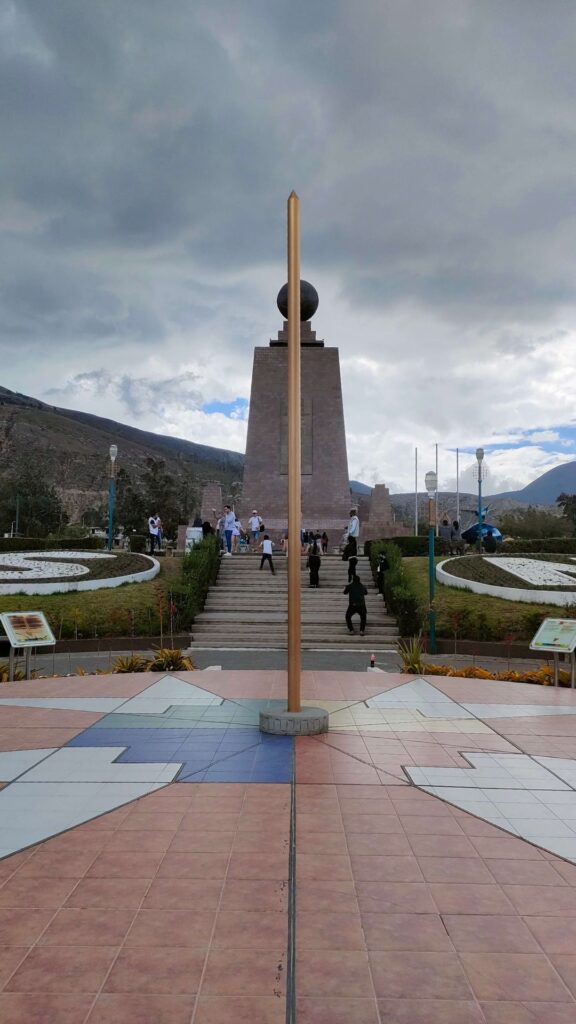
(431, 481)
(111, 495)
(480, 457)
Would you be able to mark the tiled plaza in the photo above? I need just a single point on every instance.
(163, 862)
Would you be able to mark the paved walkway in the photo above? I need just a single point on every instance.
(164, 863)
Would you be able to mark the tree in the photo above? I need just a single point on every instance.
(40, 511)
(567, 502)
(533, 523)
(130, 511)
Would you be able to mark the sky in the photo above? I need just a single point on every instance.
(148, 150)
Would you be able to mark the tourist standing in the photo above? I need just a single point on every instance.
(254, 524)
(229, 520)
(236, 534)
(324, 539)
(266, 546)
(153, 531)
(313, 565)
(457, 543)
(489, 542)
(356, 592)
(445, 534)
(354, 530)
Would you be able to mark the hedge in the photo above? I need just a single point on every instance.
(552, 545)
(45, 544)
(400, 594)
(410, 547)
(199, 571)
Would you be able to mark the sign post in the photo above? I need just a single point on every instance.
(26, 630)
(558, 636)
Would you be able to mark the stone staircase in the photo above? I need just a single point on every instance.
(248, 608)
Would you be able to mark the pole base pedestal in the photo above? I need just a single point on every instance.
(307, 722)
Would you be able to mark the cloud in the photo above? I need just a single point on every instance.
(148, 150)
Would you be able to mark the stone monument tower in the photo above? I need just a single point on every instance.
(325, 483)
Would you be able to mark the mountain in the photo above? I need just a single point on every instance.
(546, 488)
(73, 450)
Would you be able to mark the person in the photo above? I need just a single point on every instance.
(489, 542)
(153, 532)
(266, 546)
(303, 541)
(197, 522)
(356, 604)
(457, 544)
(353, 530)
(206, 529)
(254, 524)
(445, 534)
(220, 531)
(313, 565)
(324, 539)
(352, 565)
(229, 520)
(285, 542)
(381, 568)
(236, 534)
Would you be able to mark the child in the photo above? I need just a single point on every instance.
(266, 546)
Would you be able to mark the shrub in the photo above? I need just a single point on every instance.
(131, 663)
(409, 547)
(169, 659)
(137, 542)
(400, 594)
(5, 672)
(412, 655)
(199, 571)
(51, 543)
(552, 545)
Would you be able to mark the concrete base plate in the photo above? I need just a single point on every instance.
(307, 722)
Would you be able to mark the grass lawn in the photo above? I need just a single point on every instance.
(133, 608)
(480, 617)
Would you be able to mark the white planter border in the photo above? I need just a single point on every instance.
(557, 597)
(73, 586)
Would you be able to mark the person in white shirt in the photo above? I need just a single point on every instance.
(353, 531)
(153, 530)
(266, 546)
(254, 524)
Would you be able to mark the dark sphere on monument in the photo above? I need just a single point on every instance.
(308, 300)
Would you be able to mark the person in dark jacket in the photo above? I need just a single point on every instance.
(380, 570)
(356, 592)
(313, 565)
(489, 543)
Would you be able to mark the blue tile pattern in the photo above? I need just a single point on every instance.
(219, 743)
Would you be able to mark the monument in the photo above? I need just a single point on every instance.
(324, 478)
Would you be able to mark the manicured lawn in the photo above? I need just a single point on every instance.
(133, 608)
(480, 617)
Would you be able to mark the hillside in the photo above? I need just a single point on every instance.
(546, 488)
(72, 449)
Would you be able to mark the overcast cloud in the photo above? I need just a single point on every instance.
(148, 149)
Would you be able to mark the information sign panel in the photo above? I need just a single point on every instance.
(27, 629)
(555, 635)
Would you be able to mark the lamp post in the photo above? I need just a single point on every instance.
(479, 458)
(431, 481)
(111, 495)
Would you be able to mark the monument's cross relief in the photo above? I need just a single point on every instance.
(325, 483)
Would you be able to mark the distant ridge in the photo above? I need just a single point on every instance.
(546, 488)
(72, 450)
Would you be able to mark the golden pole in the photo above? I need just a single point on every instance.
(294, 454)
